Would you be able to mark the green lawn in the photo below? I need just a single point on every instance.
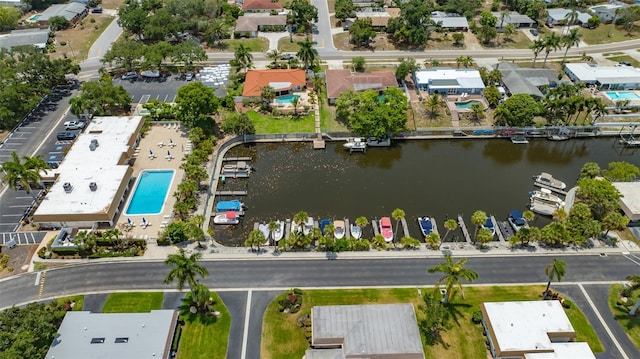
(607, 33)
(205, 337)
(283, 338)
(256, 44)
(631, 325)
(78, 299)
(134, 302)
(285, 45)
(328, 121)
(634, 62)
(515, 41)
(266, 124)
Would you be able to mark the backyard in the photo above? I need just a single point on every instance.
(267, 124)
(282, 336)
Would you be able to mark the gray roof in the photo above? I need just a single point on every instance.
(513, 18)
(34, 37)
(450, 21)
(68, 11)
(559, 14)
(323, 354)
(86, 335)
(249, 23)
(525, 80)
(368, 330)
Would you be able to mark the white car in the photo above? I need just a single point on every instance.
(73, 125)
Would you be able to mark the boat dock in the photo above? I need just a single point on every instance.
(231, 193)
(505, 228)
(405, 228)
(239, 213)
(497, 228)
(287, 228)
(553, 189)
(236, 159)
(519, 140)
(235, 174)
(434, 229)
(463, 227)
(347, 229)
(376, 230)
(544, 208)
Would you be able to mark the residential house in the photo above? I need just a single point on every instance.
(86, 335)
(607, 12)
(450, 22)
(72, 11)
(27, 37)
(448, 81)
(558, 16)
(531, 330)
(262, 6)
(519, 20)
(517, 80)
(379, 16)
(339, 81)
(15, 3)
(604, 77)
(249, 25)
(283, 81)
(630, 199)
(382, 331)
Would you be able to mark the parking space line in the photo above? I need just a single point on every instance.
(23, 206)
(144, 99)
(166, 97)
(12, 215)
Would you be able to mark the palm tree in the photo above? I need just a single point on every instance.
(194, 230)
(433, 103)
(307, 54)
(256, 238)
(537, 46)
(300, 219)
(184, 269)
(216, 30)
(478, 218)
(560, 215)
(267, 94)
(200, 297)
(454, 273)
(570, 19)
(465, 61)
(555, 269)
(570, 40)
(295, 102)
(329, 230)
(398, 215)
(435, 63)
(243, 57)
(551, 43)
(274, 56)
(478, 112)
(362, 222)
(528, 216)
(23, 172)
(450, 225)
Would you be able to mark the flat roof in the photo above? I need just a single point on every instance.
(86, 335)
(376, 329)
(565, 351)
(604, 74)
(630, 192)
(465, 78)
(82, 166)
(524, 326)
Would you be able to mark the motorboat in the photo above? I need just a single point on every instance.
(356, 231)
(545, 195)
(558, 137)
(295, 227)
(233, 205)
(544, 208)
(378, 142)
(426, 225)
(546, 179)
(516, 220)
(308, 225)
(278, 233)
(264, 228)
(385, 229)
(229, 217)
(355, 144)
(324, 223)
(489, 225)
(340, 230)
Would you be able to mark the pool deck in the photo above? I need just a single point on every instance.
(151, 141)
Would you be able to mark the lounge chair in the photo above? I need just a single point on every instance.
(160, 144)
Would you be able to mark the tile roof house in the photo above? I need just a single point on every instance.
(604, 77)
(72, 11)
(448, 81)
(382, 331)
(283, 81)
(525, 80)
(261, 6)
(249, 25)
(339, 81)
(520, 21)
(379, 16)
(451, 22)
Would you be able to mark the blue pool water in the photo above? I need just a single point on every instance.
(34, 17)
(286, 99)
(467, 105)
(150, 192)
(622, 95)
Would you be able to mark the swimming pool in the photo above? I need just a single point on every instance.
(150, 192)
(622, 95)
(34, 18)
(467, 104)
(287, 98)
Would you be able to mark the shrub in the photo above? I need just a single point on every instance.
(92, 20)
(566, 303)
(63, 43)
(477, 317)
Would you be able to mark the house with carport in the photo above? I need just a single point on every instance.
(520, 21)
(339, 81)
(449, 81)
(449, 21)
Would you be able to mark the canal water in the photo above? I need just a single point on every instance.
(440, 178)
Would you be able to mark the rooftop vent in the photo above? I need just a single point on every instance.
(122, 340)
(93, 186)
(97, 340)
(67, 187)
(93, 145)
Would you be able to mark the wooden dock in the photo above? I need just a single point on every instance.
(236, 175)
(465, 232)
(236, 159)
(376, 230)
(347, 229)
(231, 193)
(505, 228)
(553, 189)
(497, 229)
(405, 228)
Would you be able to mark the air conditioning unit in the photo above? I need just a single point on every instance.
(93, 186)
(67, 187)
(93, 145)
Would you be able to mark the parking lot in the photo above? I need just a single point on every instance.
(162, 89)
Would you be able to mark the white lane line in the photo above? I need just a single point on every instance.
(38, 277)
(631, 259)
(12, 215)
(23, 206)
(245, 334)
(606, 327)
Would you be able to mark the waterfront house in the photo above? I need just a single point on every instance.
(262, 6)
(604, 77)
(517, 80)
(448, 81)
(607, 12)
(339, 81)
(283, 81)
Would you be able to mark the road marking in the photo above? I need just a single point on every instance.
(38, 277)
(245, 334)
(23, 206)
(606, 327)
(44, 277)
(628, 256)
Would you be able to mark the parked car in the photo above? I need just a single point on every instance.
(96, 10)
(549, 25)
(287, 56)
(188, 76)
(131, 75)
(534, 32)
(73, 125)
(53, 165)
(624, 63)
(66, 136)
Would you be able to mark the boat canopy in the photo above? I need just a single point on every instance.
(224, 206)
(488, 223)
(426, 225)
(515, 214)
(231, 214)
(385, 221)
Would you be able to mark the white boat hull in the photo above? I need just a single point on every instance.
(278, 233)
(339, 229)
(222, 219)
(356, 231)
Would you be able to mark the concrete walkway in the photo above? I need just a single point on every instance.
(274, 38)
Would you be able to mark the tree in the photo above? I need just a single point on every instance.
(433, 240)
(554, 270)
(493, 95)
(397, 214)
(194, 101)
(267, 94)
(200, 297)
(487, 30)
(406, 67)
(307, 54)
(477, 111)
(238, 124)
(125, 53)
(367, 114)
(344, 9)
(362, 221)
(478, 218)
(256, 238)
(436, 317)
(216, 30)
(601, 196)
(465, 61)
(537, 46)
(590, 170)
(57, 23)
(571, 39)
(570, 19)
(302, 13)
(358, 63)
(458, 37)
(484, 236)
(614, 221)
(378, 242)
(184, 269)
(193, 228)
(361, 32)
(411, 26)
(300, 219)
(9, 17)
(101, 98)
(518, 110)
(133, 18)
(551, 43)
(451, 225)
(188, 52)
(23, 173)
(243, 58)
(621, 172)
(554, 234)
(433, 103)
(454, 273)
(274, 55)
(509, 30)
